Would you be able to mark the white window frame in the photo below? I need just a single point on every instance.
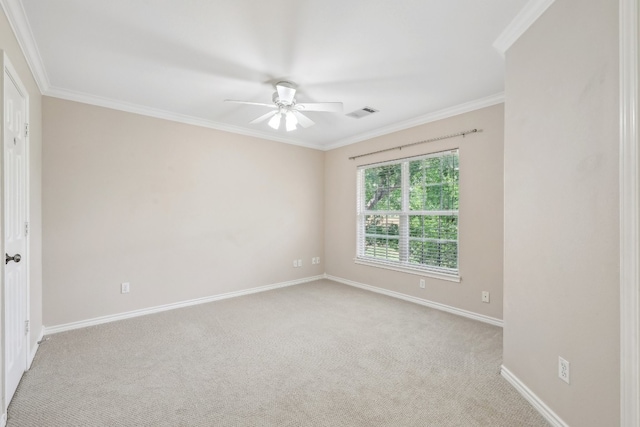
(403, 265)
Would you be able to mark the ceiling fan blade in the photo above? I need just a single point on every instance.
(303, 120)
(286, 92)
(331, 107)
(263, 117)
(250, 103)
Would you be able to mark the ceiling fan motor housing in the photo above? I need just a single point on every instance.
(282, 103)
(283, 97)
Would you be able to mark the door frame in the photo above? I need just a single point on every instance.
(7, 68)
(629, 214)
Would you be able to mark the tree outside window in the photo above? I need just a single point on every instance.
(408, 212)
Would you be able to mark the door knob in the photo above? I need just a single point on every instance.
(15, 258)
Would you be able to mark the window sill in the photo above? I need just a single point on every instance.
(417, 271)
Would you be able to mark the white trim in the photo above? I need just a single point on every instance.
(3, 420)
(99, 101)
(629, 216)
(48, 330)
(35, 348)
(532, 398)
(195, 121)
(20, 26)
(427, 118)
(3, 365)
(409, 270)
(523, 20)
(421, 301)
(27, 243)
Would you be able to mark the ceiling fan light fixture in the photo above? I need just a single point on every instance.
(292, 121)
(275, 121)
(286, 107)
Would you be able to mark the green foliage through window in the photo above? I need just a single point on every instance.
(408, 212)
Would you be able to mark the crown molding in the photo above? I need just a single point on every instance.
(22, 30)
(20, 25)
(99, 101)
(523, 20)
(427, 118)
(196, 121)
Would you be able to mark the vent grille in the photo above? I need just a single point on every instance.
(363, 112)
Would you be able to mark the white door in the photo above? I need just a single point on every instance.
(15, 241)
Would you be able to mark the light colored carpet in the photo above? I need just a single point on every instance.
(317, 354)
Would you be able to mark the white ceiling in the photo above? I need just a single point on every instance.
(410, 59)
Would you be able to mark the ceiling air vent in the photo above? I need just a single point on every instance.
(363, 112)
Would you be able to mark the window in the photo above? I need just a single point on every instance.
(408, 214)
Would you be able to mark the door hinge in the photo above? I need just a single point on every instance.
(26, 130)
(26, 228)
(26, 327)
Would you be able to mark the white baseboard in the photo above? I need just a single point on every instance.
(35, 348)
(421, 301)
(3, 420)
(533, 399)
(48, 330)
(142, 312)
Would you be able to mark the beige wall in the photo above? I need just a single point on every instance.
(179, 211)
(169, 208)
(480, 220)
(9, 45)
(561, 210)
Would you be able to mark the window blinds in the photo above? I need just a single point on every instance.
(407, 213)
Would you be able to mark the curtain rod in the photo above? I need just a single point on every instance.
(400, 147)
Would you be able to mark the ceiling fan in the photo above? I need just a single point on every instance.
(285, 105)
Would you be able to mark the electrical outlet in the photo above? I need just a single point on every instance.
(317, 260)
(422, 283)
(295, 263)
(124, 288)
(485, 296)
(563, 370)
(299, 263)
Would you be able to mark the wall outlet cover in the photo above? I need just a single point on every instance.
(563, 370)
(485, 296)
